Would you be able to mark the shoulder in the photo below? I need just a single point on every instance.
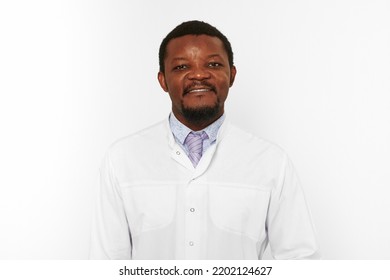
(147, 137)
(250, 143)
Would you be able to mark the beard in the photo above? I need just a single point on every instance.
(202, 114)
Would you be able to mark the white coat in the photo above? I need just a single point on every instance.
(244, 194)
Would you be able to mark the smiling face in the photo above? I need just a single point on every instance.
(197, 77)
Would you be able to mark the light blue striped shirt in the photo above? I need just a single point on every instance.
(180, 132)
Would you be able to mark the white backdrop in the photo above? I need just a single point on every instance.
(313, 77)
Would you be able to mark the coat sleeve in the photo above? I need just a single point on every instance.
(290, 229)
(110, 237)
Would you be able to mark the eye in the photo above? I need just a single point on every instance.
(214, 64)
(180, 67)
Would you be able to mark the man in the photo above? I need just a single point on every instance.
(194, 186)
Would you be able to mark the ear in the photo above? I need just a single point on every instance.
(161, 80)
(233, 72)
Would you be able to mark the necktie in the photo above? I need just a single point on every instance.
(194, 143)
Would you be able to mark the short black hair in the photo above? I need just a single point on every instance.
(194, 27)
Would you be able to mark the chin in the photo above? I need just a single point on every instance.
(199, 114)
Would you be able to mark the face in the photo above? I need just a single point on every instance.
(197, 77)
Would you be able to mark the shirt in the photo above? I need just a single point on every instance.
(180, 132)
(243, 195)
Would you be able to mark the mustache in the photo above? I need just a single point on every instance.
(198, 84)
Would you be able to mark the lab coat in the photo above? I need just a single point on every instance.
(243, 195)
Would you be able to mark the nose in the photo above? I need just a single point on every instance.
(198, 73)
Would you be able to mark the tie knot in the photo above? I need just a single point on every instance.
(193, 136)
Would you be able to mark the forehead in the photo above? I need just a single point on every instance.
(201, 44)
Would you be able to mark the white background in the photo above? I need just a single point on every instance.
(313, 77)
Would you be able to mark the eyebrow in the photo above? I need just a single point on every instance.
(178, 58)
(183, 58)
(214, 55)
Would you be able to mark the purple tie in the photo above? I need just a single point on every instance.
(194, 143)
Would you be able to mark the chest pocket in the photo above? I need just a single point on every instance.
(149, 206)
(239, 209)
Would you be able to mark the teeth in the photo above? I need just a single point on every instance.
(200, 90)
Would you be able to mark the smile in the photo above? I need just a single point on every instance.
(200, 90)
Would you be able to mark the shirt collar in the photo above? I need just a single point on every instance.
(180, 131)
